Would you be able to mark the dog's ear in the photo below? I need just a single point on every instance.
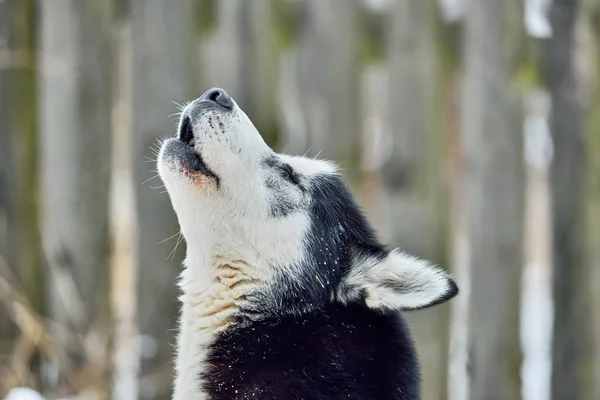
(396, 280)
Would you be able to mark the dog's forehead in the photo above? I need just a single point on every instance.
(310, 166)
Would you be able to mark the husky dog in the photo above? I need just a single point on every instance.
(286, 291)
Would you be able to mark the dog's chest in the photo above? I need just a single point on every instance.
(325, 356)
(208, 310)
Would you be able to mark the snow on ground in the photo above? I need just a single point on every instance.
(24, 394)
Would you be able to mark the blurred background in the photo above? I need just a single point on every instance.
(468, 129)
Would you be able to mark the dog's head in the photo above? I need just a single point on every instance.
(291, 220)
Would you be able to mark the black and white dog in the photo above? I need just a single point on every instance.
(287, 293)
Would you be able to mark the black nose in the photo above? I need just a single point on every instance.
(218, 96)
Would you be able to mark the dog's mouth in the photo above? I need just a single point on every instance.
(191, 158)
(186, 131)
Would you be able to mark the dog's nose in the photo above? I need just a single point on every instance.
(218, 96)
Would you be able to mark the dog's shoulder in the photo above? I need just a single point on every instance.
(346, 352)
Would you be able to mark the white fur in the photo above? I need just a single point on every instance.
(231, 238)
(422, 283)
(233, 241)
(310, 166)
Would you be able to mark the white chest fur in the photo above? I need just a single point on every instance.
(209, 305)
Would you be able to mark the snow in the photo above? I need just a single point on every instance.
(24, 394)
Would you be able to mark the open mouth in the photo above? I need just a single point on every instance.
(191, 158)
(186, 132)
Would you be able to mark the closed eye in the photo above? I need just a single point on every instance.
(290, 175)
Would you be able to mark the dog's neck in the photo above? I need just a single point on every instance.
(212, 289)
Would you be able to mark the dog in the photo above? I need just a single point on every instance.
(286, 291)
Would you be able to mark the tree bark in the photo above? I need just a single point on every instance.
(571, 358)
(74, 114)
(495, 199)
(161, 62)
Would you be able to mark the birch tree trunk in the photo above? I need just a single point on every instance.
(161, 61)
(458, 379)
(124, 265)
(414, 199)
(495, 199)
(74, 149)
(571, 358)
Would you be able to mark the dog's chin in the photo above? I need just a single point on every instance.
(180, 157)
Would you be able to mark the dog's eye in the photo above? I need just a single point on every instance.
(289, 174)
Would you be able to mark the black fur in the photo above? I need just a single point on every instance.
(190, 158)
(308, 332)
(296, 340)
(342, 352)
(281, 176)
(338, 232)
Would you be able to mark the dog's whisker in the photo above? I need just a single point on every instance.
(149, 179)
(170, 237)
(174, 251)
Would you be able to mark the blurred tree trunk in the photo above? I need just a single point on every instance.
(571, 356)
(7, 167)
(458, 379)
(291, 123)
(495, 196)
(329, 72)
(6, 130)
(376, 138)
(159, 79)
(260, 66)
(224, 60)
(74, 147)
(414, 200)
(19, 239)
(240, 56)
(124, 273)
(593, 200)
